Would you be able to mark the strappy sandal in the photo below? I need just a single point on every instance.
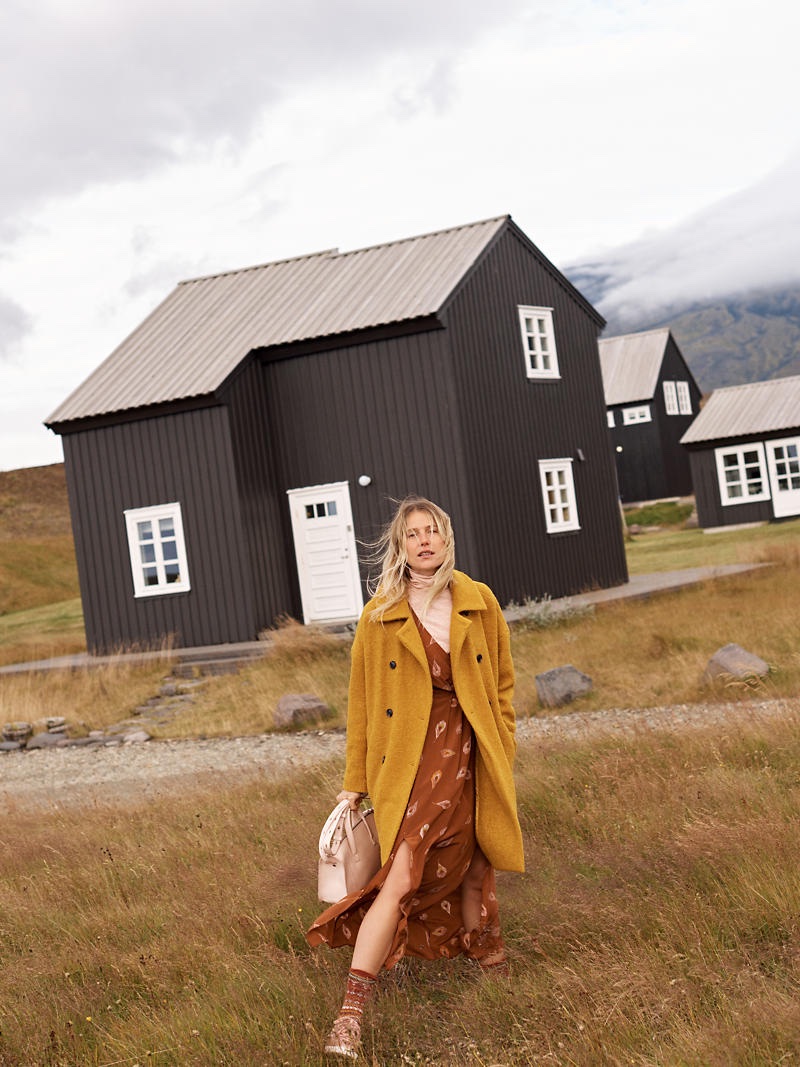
(345, 1038)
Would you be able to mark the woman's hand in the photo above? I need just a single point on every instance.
(353, 799)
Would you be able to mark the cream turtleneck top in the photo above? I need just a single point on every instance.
(436, 618)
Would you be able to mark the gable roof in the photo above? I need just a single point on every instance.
(196, 338)
(744, 410)
(631, 364)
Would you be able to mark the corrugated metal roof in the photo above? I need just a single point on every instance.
(630, 364)
(744, 410)
(193, 340)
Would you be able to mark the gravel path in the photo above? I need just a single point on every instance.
(54, 779)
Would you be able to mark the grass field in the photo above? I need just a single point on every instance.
(657, 923)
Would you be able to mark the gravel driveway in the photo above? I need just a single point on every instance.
(54, 779)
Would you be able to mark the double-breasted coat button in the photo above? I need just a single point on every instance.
(392, 664)
(389, 713)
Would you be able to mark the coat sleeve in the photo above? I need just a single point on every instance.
(355, 772)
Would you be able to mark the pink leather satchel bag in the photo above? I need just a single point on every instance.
(349, 853)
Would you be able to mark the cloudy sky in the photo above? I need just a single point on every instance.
(143, 143)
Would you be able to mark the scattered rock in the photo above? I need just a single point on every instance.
(46, 740)
(732, 662)
(562, 685)
(56, 724)
(299, 709)
(10, 746)
(135, 737)
(17, 731)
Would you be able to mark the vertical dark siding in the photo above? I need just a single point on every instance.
(383, 409)
(185, 457)
(677, 469)
(262, 500)
(509, 422)
(640, 464)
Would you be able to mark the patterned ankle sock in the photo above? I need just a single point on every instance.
(360, 987)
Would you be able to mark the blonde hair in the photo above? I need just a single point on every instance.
(390, 549)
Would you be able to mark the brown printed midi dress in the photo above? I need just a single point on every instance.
(439, 826)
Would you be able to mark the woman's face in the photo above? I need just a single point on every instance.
(424, 544)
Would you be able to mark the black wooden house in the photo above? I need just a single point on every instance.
(744, 448)
(226, 461)
(651, 399)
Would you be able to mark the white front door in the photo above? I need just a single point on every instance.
(783, 460)
(325, 546)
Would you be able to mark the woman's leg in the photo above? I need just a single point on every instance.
(472, 891)
(373, 941)
(374, 938)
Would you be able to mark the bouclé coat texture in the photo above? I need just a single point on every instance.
(390, 702)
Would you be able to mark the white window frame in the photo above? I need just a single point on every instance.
(670, 397)
(162, 566)
(538, 342)
(610, 418)
(684, 398)
(558, 498)
(640, 413)
(739, 451)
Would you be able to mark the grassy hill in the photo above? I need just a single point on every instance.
(37, 556)
(735, 341)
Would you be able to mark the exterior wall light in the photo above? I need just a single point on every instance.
(364, 480)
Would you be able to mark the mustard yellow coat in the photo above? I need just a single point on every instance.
(389, 707)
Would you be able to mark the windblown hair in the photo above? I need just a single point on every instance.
(390, 549)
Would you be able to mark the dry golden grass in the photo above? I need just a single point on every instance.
(33, 503)
(88, 699)
(300, 659)
(657, 923)
(37, 556)
(651, 652)
(638, 653)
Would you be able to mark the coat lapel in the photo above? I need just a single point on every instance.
(408, 634)
(466, 598)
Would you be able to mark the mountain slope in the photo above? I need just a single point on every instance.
(728, 341)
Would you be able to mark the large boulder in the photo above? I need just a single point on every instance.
(295, 710)
(562, 685)
(734, 663)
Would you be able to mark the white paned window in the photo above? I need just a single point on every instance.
(157, 550)
(742, 474)
(786, 457)
(538, 341)
(558, 494)
(610, 416)
(684, 398)
(670, 398)
(324, 509)
(641, 413)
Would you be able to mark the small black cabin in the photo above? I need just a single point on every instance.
(745, 454)
(651, 399)
(226, 461)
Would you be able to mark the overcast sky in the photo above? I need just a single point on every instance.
(143, 143)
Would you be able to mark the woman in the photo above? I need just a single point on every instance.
(430, 738)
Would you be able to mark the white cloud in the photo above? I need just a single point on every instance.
(160, 140)
(747, 241)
